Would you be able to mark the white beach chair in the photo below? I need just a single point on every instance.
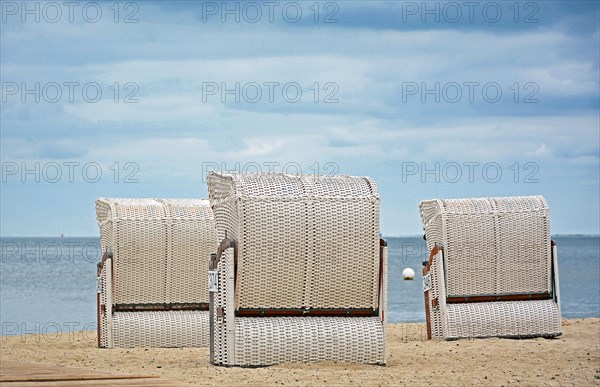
(492, 269)
(151, 281)
(300, 273)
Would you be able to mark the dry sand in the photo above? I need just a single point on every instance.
(572, 359)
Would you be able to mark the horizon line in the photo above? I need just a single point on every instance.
(383, 236)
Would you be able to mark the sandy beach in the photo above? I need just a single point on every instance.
(572, 359)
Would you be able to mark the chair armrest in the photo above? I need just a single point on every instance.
(225, 244)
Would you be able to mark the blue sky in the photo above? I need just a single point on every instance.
(436, 99)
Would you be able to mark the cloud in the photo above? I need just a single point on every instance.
(365, 62)
(174, 108)
(542, 150)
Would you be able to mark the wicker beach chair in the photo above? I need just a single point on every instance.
(492, 268)
(151, 287)
(300, 273)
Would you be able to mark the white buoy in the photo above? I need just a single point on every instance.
(408, 274)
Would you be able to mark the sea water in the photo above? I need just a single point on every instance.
(49, 284)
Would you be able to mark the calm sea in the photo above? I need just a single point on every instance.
(49, 284)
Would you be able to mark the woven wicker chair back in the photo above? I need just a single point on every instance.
(303, 241)
(492, 246)
(161, 248)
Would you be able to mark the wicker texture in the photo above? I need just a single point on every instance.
(224, 327)
(273, 340)
(303, 225)
(491, 247)
(303, 242)
(505, 319)
(103, 319)
(160, 251)
(160, 248)
(172, 329)
(437, 315)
